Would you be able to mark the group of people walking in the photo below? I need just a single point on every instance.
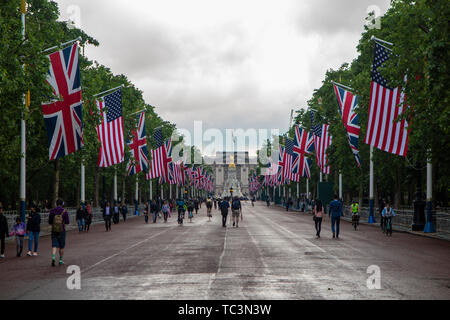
(336, 212)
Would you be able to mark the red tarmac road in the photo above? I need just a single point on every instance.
(273, 254)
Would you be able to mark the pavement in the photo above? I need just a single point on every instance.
(273, 254)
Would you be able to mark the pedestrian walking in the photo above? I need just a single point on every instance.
(215, 204)
(236, 211)
(190, 209)
(387, 214)
(209, 205)
(88, 217)
(80, 218)
(224, 206)
(166, 211)
(154, 210)
(335, 212)
(107, 213)
(268, 201)
(116, 213)
(355, 214)
(19, 230)
(196, 204)
(4, 230)
(318, 216)
(124, 211)
(147, 211)
(181, 207)
(58, 218)
(33, 229)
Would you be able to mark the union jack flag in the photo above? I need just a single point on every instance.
(162, 163)
(63, 116)
(303, 144)
(347, 105)
(138, 148)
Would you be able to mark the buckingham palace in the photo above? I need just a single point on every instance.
(225, 163)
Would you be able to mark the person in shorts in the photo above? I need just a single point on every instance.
(58, 218)
(236, 211)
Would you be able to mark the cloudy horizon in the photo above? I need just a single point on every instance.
(230, 64)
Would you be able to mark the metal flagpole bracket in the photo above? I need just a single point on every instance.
(341, 85)
(137, 112)
(62, 44)
(380, 40)
(110, 90)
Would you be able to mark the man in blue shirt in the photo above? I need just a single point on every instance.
(335, 213)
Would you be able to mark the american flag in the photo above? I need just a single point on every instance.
(347, 105)
(63, 117)
(138, 148)
(386, 105)
(161, 165)
(322, 140)
(110, 132)
(158, 137)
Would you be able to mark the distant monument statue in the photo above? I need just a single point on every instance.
(232, 181)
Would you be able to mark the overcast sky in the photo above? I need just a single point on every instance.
(231, 64)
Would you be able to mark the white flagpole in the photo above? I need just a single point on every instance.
(429, 226)
(83, 185)
(115, 185)
(340, 185)
(136, 197)
(371, 200)
(151, 189)
(23, 136)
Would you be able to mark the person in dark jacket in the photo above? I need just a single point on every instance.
(154, 208)
(58, 218)
(81, 214)
(88, 217)
(124, 211)
(107, 215)
(4, 231)
(33, 229)
(335, 212)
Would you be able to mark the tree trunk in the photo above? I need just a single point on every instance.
(96, 177)
(56, 183)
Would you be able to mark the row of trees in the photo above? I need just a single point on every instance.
(61, 178)
(419, 31)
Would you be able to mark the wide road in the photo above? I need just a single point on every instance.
(273, 254)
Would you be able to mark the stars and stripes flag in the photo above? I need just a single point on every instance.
(322, 140)
(386, 106)
(303, 145)
(347, 104)
(138, 148)
(110, 131)
(63, 116)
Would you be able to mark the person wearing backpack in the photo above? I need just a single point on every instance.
(209, 205)
(19, 230)
(224, 206)
(33, 229)
(58, 218)
(236, 211)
